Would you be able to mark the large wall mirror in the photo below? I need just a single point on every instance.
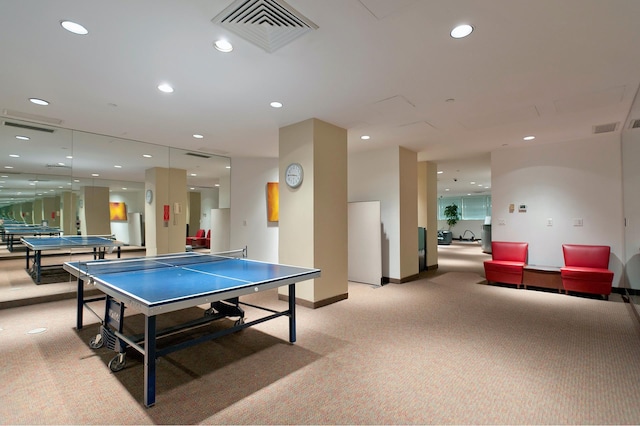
(45, 170)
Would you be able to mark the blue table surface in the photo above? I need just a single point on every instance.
(159, 285)
(19, 229)
(75, 240)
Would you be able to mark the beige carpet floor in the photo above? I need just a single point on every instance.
(445, 349)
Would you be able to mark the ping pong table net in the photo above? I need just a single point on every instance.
(183, 260)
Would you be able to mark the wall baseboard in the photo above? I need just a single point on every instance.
(316, 304)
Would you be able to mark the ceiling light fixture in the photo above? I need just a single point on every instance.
(74, 27)
(276, 104)
(23, 138)
(529, 138)
(461, 31)
(14, 155)
(95, 174)
(365, 137)
(440, 172)
(166, 88)
(223, 46)
(38, 101)
(197, 136)
(146, 155)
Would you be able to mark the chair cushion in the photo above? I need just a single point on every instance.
(586, 274)
(504, 266)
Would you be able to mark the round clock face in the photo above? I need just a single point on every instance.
(293, 175)
(149, 196)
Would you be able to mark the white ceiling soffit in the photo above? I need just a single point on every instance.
(502, 118)
(269, 24)
(592, 100)
(383, 8)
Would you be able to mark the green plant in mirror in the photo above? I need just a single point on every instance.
(452, 215)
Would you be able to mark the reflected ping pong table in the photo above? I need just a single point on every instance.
(167, 283)
(98, 243)
(13, 233)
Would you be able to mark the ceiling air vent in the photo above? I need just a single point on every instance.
(25, 126)
(635, 124)
(58, 166)
(195, 154)
(269, 24)
(605, 128)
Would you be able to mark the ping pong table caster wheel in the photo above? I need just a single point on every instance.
(239, 322)
(96, 342)
(117, 363)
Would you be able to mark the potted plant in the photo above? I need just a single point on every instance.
(452, 215)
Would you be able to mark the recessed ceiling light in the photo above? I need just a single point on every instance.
(198, 136)
(217, 184)
(146, 155)
(447, 189)
(440, 172)
(529, 138)
(95, 174)
(23, 138)
(60, 164)
(74, 27)
(365, 137)
(38, 101)
(223, 46)
(124, 189)
(472, 183)
(14, 155)
(461, 31)
(69, 157)
(117, 166)
(8, 167)
(276, 104)
(193, 174)
(164, 87)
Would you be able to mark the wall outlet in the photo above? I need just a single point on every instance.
(577, 221)
(549, 222)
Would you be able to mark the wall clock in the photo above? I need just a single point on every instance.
(149, 196)
(293, 175)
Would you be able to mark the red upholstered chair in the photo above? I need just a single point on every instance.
(586, 269)
(207, 240)
(507, 263)
(195, 240)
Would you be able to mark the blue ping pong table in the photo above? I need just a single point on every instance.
(167, 283)
(12, 234)
(98, 243)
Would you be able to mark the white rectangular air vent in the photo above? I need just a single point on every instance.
(605, 128)
(269, 24)
(635, 124)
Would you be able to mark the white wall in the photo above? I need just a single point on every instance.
(562, 182)
(249, 225)
(374, 176)
(135, 204)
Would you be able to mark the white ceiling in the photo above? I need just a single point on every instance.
(384, 68)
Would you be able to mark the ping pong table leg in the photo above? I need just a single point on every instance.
(37, 259)
(79, 303)
(150, 361)
(292, 312)
(28, 258)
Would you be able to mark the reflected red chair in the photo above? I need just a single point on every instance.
(208, 239)
(197, 240)
(507, 263)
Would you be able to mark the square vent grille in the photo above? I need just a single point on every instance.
(269, 24)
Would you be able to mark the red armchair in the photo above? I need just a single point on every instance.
(507, 263)
(197, 240)
(586, 269)
(208, 239)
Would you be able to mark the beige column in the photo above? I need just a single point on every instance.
(68, 213)
(428, 208)
(27, 212)
(313, 216)
(169, 188)
(51, 209)
(38, 214)
(194, 207)
(94, 210)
